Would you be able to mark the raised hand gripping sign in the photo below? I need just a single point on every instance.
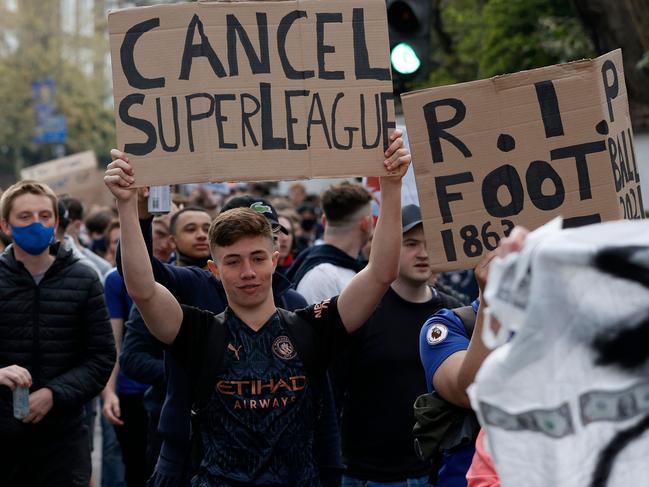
(223, 91)
(521, 149)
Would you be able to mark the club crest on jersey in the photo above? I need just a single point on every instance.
(436, 334)
(283, 348)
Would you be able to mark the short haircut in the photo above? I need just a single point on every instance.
(174, 218)
(97, 221)
(26, 187)
(111, 226)
(74, 207)
(342, 202)
(4, 239)
(233, 225)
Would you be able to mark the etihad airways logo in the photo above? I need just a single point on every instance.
(255, 387)
(287, 391)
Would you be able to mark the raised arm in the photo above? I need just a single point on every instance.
(361, 296)
(159, 308)
(165, 274)
(458, 371)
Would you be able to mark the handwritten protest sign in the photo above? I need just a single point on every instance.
(521, 149)
(218, 91)
(76, 175)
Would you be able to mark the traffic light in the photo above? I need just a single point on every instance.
(409, 24)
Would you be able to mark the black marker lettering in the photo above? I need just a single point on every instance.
(282, 32)
(141, 148)
(444, 197)
(174, 111)
(350, 130)
(268, 140)
(191, 117)
(507, 176)
(536, 174)
(611, 89)
(361, 57)
(126, 51)
(378, 123)
(385, 121)
(322, 48)
(204, 49)
(579, 153)
(449, 245)
(549, 105)
(290, 120)
(437, 129)
(245, 118)
(221, 118)
(317, 121)
(258, 63)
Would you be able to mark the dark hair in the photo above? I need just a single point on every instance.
(174, 218)
(343, 200)
(112, 225)
(74, 207)
(233, 225)
(4, 238)
(98, 221)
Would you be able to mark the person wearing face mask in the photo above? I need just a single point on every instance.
(309, 229)
(55, 340)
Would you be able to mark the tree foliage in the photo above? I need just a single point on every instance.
(33, 48)
(491, 37)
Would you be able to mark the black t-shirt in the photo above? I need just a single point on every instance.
(258, 424)
(383, 378)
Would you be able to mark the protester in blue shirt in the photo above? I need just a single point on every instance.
(443, 342)
(451, 359)
(123, 398)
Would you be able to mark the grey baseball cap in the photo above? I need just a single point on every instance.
(410, 217)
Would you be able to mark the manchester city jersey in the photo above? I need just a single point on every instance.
(258, 425)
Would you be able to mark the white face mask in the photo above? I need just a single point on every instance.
(508, 287)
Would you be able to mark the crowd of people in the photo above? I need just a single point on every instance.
(240, 339)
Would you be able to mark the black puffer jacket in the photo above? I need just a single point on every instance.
(59, 330)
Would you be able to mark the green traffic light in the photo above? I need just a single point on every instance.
(404, 58)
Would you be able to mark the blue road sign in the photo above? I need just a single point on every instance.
(51, 127)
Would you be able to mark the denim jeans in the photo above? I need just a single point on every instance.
(112, 467)
(418, 482)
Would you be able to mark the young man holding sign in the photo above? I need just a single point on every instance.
(257, 408)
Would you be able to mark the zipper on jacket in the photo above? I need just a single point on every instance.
(36, 337)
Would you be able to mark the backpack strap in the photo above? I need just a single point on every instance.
(203, 384)
(468, 316)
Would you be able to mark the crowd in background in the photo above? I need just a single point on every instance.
(129, 409)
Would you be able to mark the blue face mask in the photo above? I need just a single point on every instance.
(34, 238)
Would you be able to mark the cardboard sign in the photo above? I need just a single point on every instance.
(76, 175)
(249, 91)
(520, 149)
